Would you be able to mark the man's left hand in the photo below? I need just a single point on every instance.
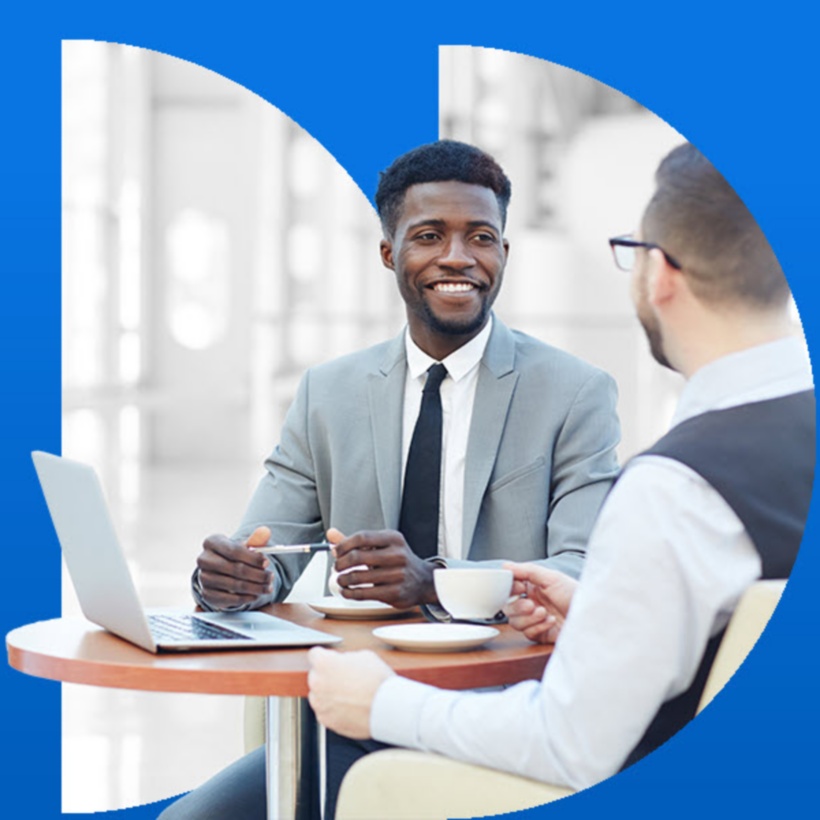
(546, 597)
(382, 558)
(342, 687)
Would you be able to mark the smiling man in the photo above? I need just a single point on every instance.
(520, 476)
(458, 442)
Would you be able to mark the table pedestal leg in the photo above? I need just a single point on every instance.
(291, 760)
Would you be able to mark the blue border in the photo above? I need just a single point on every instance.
(737, 81)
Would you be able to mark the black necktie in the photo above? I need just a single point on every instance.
(422, 476)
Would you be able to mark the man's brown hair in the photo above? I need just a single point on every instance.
(698, 218)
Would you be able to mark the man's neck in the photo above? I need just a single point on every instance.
(712, 340)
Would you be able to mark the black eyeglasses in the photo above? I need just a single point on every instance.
(623, 249)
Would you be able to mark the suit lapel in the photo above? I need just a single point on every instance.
(494, 391)
(386, 399)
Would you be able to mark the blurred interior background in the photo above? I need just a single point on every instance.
(213, 251)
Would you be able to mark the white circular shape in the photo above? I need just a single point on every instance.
(345, 609)
(436, 637)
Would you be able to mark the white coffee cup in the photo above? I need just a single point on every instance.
(473, 593)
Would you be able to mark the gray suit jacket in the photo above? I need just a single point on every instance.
(540, 457)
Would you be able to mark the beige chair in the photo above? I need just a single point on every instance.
(398, 784)
(254, 717)
(746, 626)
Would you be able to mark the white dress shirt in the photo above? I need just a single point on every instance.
(457, 397)
(457, 393)
(666, 564)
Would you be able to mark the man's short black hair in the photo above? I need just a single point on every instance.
(441, 161)
(698, 218)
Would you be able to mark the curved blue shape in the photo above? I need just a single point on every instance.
(738, 83)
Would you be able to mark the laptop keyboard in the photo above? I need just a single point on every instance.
(186, 628)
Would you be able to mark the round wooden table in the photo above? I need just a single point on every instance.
(76, 651)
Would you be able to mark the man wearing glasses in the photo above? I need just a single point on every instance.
(717, 503)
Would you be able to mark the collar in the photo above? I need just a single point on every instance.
(459, 363)
(763, 372)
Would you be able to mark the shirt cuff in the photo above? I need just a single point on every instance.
(395, 715)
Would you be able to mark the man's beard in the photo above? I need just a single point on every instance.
(455, 327)
(653, 335)
(651, 326)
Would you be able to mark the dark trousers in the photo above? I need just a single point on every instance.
(239, 790)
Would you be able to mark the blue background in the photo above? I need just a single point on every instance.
(738, 82)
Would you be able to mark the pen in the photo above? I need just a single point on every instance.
(283, 549)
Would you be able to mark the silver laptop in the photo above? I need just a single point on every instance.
(106, 591)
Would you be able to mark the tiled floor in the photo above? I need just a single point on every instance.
(124, 748)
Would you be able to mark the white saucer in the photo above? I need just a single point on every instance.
(435, 637)
(345, 609)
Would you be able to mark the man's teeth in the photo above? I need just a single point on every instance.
(452, 287)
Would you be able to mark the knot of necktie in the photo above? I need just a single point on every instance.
(436, 374)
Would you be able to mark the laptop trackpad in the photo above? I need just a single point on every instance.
(247, 621)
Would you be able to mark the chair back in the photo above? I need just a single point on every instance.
(745, 626)
(254, 723)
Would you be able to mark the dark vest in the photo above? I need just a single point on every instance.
(760, 458)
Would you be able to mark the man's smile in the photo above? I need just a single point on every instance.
(453, 288)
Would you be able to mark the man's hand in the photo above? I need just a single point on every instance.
(548, 594)
(382, 558)
(230, 574)
(342, 688)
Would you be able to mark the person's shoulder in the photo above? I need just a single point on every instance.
(357, 363)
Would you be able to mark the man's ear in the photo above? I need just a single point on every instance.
(662, 279)
(386, 250)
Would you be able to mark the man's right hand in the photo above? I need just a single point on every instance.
(230, 574)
